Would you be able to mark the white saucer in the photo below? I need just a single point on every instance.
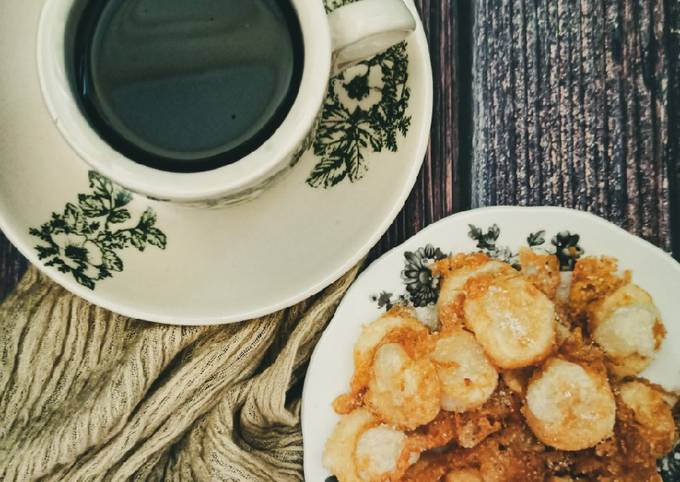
(183, 265)
(403, 274)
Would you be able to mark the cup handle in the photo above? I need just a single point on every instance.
(365, 28)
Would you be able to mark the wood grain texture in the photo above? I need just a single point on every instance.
(672, 32)
(12, 266)
(571, 108)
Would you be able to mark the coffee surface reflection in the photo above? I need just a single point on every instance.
(187, 86)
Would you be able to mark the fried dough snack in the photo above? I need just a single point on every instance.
(509, 455)
(570, 406)
(362, 449)
(627, 325)
(464, 475)
(651, 414)
(455, 272)
(529, 378)
(398, 325)
(542, 270)
(466, 375)
(338, 454)
(511, 318)
(592, 280)
(381, 452)
(628, 456)
(403, 391)
(470, 428)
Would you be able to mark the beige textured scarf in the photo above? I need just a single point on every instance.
(89, 395)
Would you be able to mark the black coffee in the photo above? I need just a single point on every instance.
(187, 85)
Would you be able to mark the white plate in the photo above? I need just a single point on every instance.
(331, 364)
(202, 266)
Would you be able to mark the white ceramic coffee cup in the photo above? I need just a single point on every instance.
(332, 42)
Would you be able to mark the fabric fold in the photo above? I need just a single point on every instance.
(86, 394)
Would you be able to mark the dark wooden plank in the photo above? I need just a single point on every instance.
(673, 49)
(12, 266)
(438, 189)
(571, 108)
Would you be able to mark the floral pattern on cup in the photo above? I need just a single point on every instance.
(87, 238)
(359, 87)
(365, 111)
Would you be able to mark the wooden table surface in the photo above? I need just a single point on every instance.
(543, 102)
(566, 103)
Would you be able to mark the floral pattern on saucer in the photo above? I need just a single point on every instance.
(87, 237)
(364, 112)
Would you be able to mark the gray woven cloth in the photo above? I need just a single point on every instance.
(89, 395)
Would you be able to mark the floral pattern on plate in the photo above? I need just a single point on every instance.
(422, 286)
